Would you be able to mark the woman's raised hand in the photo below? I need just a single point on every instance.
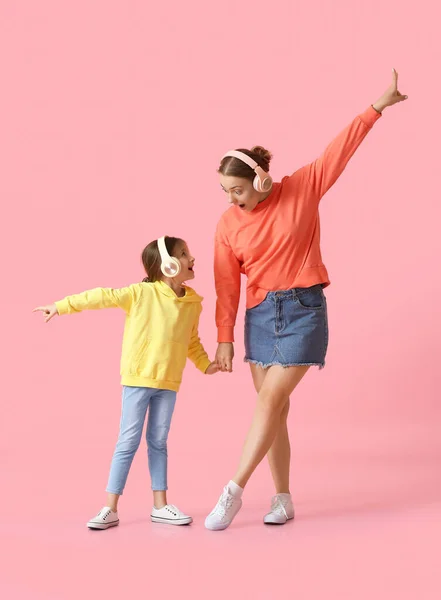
(391, 96)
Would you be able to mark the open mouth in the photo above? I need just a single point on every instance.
(241, 206)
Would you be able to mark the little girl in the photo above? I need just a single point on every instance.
(161, 331)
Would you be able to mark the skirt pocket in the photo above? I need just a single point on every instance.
(311, 298)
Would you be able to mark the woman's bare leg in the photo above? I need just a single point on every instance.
(279, 455)
(273, 397)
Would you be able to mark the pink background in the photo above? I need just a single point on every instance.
(114, 117)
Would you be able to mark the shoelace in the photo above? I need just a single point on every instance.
(278, 506)
(105, 515)
(173, 509)
(224, 504)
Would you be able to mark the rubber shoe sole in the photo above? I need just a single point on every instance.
(185, 521)
(268, 522)
(102, 526)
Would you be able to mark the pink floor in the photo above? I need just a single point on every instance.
(368, 526)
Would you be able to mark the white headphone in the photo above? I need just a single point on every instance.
(262, 181)
(170, 266)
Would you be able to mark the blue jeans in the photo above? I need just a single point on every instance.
(135, 402)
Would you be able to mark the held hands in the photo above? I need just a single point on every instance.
(50, 311)
(212, 369)
(224, 356)
(391, 96)
(224, 359)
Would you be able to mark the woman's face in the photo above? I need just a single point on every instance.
(240, 192)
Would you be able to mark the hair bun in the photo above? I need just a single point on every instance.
(264, 154)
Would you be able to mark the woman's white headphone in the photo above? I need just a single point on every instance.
(170, 266)
(262, 181)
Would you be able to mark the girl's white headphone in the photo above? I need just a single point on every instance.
(262, 181)
(170, 266)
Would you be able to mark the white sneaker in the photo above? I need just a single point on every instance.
(105, 518)
(170, 514)
(224, 512)
(282, 510)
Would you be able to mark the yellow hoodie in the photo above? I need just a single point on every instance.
(161, 331)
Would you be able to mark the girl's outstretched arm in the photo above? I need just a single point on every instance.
(93, 300)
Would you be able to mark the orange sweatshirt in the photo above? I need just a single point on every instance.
(277, 245)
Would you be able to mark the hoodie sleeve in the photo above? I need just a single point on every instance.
(98, 298)
(196, 352)
(227, 283)
(324, 172)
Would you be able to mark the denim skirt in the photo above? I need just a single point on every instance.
(289, 328)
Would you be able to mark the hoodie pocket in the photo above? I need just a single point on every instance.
(138, 359)
(163, 361)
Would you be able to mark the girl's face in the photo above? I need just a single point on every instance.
(240, 192)
(182, 253)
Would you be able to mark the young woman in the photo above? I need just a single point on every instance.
(271, 233)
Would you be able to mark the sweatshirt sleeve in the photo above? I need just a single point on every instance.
(196, 352)
(227, 282)
(324, 172)
(98, 298)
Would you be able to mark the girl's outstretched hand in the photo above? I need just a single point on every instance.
(50, 311)
(391, 95)
(212, 369)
